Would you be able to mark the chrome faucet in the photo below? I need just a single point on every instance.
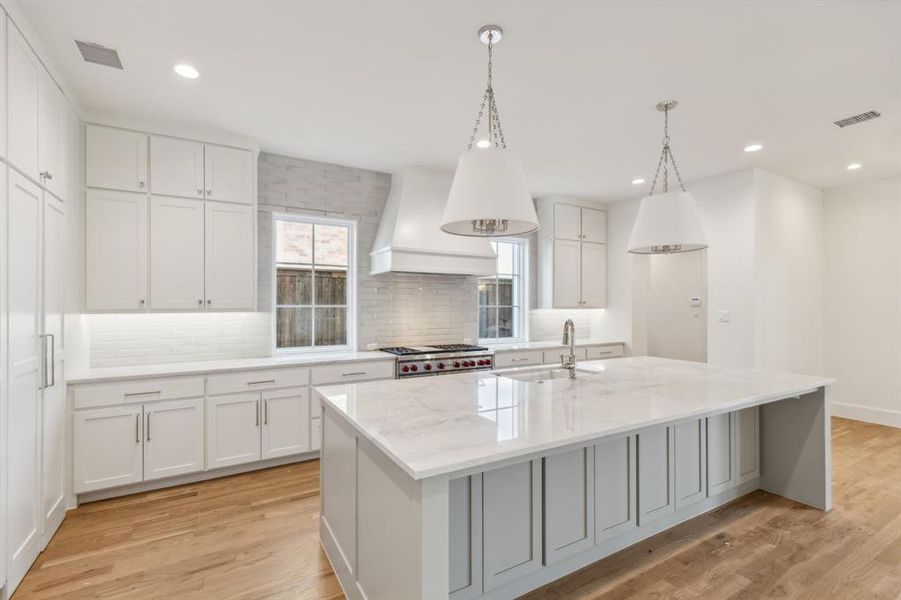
(568, 361)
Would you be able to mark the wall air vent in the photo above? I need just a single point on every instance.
(97, 54)
(854, 120)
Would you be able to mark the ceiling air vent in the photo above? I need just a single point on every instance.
(97, 54)
(870, 114)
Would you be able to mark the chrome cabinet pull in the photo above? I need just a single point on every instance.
(258, 412)
(265, 412)
(52, 359)
(127, 395)
(140, 184)
(200, 302)
(354, 374)
(43, 361)
(261, 382)
(519, 359)
(141, 302)
(148, 425)
(46, 175)
(209, 302)
(137, 428)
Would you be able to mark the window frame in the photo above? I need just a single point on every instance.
(351, 225)
(523, 274)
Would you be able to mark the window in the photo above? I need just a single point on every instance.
(314, 283)
(502, 296)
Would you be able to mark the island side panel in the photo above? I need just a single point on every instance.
(796, 449)
(338, 494)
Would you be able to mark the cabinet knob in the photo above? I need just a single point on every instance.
(209, 302)
(209, 192)
(200, 302)
(141, 302)
(199, 190)
(46, 175)
(140, 184)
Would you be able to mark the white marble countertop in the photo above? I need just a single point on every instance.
(434, 426)
(205, 367)
(547, 345)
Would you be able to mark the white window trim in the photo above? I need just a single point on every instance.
(524, 249)
(351, 344)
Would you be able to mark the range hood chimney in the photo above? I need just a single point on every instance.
(409, 238)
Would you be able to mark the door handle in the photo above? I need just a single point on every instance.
(265, 412)
(43, 362)
(138, 428)
(258, 413)
(148, 425)
(354, 374)
(52, 360)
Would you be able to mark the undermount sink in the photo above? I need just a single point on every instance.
(538, 374)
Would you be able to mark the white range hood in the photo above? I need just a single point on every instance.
(409, 238)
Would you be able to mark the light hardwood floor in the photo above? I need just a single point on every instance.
(255, 536)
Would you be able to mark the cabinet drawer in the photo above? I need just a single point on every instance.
(358, 371)
(138, 390)
(248, 381)
(519, 358)
(611, 351)
(552, 357)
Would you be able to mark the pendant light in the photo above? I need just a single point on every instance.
(489, 196)
(667, 222)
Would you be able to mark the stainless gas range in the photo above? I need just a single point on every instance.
(440, 359)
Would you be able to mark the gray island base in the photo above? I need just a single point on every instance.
(487, 486)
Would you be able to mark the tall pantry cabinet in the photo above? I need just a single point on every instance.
(36, 146)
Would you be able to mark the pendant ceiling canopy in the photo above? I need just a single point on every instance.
(489, 196)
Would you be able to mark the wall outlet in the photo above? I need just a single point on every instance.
(372, 346)
(724, 316)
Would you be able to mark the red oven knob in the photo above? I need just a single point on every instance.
(405, 369)
(481, 362)
(472, 363)
(457, 364)
(440, 365)
(414, 368)
(428, 367)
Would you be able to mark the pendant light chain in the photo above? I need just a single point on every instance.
(495, 131)
(666, 157)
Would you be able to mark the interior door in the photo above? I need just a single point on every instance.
(108, 447)
(286, 423)
(176, 167)
(23, 76)
(116, 250)
(593, 273)
(52, 114)
(173, 438)
(54, 393)
(228, 174)
(229, 256)
(23, 526)
(176, 253)
(567, 268)
(677, 312)
(116, 159)
(233, 429)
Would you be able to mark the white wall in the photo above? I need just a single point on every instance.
(862, 291)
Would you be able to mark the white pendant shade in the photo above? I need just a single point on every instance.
(667, 223)
(489, 186)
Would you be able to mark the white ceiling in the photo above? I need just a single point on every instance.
(384, 84)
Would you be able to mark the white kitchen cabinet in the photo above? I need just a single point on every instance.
(569, 503)
(748, 444)
(517, 358)
(465, 537)
(176, 253)
(594, 225)
(53, 132)
(567, 222)
(3, 88)
(116, 250)
(655, 473)
(173, 438)
(315, 434)
(176, 167)
(108, 447)
(567, 274)
(593, 275)
(286, 423)
(605, 351)
(23, 82)
(116, 159)
(232, 429)
(228, 174)
(720, 453)
(615, 487)
(229, 256)
(690, 462)
(511, 513)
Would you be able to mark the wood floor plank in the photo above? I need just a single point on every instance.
(255, 536)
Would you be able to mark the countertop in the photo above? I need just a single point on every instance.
(441, 425)
(219, 366)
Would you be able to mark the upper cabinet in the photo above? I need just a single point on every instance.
(53, 115)
(228, 174)
(116, 159)
(572, 256)
(194, 170)
(23, 79)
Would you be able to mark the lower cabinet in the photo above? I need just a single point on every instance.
(748, 444)
(690, 462)
(615, 488)
(656, 493)
(286, 418)
(733, 449)
(465, 537)
(173, 438)
(569, 508)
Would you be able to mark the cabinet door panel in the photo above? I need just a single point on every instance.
(176, 253)
(615, 487)
(748, 452)
(511, 505)
(108, 447)
(286, 423)
(116, 250)
(233, 430)
(567, 222)
(229, 256)
(567, 269)
(116, 159)
(465, 537)
(568, 503)
(594, 225)
(23, 77)
(228, 174)
(691, 460)
(52, 129)
(593, 273)
(655, 474)
(720, 470)
(173, 438)
(176, 167)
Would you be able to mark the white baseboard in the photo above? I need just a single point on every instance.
(880, 416)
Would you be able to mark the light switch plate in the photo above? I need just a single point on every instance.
(724, 316)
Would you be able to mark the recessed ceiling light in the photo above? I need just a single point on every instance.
(483, 143)
(186, 71)
(753, 147)
(637, 181)
(854, 166)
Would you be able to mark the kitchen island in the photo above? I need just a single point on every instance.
(483, 485)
